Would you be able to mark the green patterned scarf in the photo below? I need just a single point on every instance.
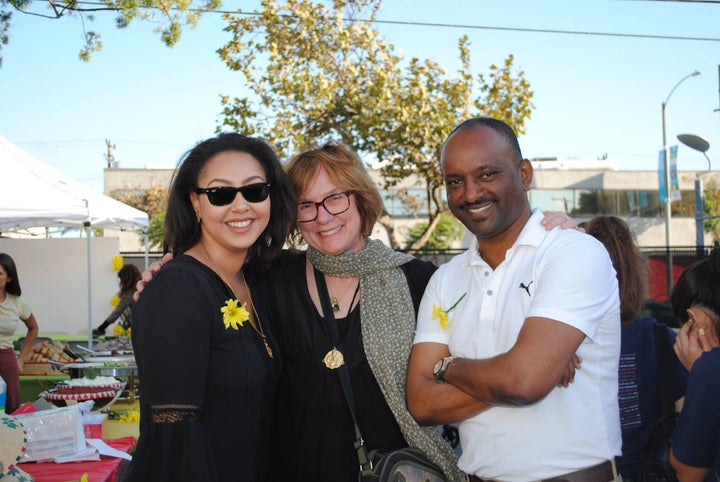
(388, 326)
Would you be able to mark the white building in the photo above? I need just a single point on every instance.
(579, 188)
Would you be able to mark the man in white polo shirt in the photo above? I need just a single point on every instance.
(499, 324)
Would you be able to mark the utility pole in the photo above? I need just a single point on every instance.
(718, 109)
(109, 156)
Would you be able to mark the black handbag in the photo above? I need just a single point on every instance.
(408, 464)
(656, 457)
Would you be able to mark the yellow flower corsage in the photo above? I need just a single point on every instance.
(234, 315)
(442, 315)
(132, 416)
(117, 262)
(120, 331)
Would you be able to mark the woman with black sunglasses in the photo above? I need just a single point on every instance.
(201, 332)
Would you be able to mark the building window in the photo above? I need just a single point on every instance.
(588, 202)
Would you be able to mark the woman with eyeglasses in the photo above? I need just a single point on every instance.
(373, 294)
(202, 336)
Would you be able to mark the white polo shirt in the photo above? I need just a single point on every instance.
(564, 275)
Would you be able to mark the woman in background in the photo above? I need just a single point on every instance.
(13, 310)
(638, 396)
(695, 299)
(128, 275)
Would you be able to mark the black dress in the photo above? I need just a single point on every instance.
(313, 434)
(206, 391)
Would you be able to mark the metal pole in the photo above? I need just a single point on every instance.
(668, 189)
(668, 206)
(699, 219)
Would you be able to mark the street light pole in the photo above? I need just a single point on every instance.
(668, 187)
(699, 144)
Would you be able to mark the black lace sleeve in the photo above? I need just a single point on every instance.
(171, 338)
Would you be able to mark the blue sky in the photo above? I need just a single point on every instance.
(595, 95)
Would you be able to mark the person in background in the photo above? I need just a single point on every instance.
(128, 275)
(13, 310)
(695, 299)
(499, 324)
(202, 335)
(638, 395)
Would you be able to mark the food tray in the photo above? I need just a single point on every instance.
(127, 359)
(108, 387)
(52, 395)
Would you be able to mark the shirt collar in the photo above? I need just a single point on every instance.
(532, 234)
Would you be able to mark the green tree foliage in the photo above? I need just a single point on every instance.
(686, 206)
(156, 230)
(169, 16)
(152, 201)
(712, 208)
(320, 71)
(448, 229)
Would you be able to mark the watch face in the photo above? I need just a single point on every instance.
(438, 367)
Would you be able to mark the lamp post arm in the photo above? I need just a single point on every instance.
(694, 74)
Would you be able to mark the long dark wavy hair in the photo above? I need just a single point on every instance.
(128, 275)
(629, 263)
(13, 285)
(182, 230)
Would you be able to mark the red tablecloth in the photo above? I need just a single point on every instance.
(104, 470)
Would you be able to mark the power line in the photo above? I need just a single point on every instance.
(550, 31)
(103, 6)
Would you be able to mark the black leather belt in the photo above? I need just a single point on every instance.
(603, 472)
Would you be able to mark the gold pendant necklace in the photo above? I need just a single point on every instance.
(258, 329)
(334, 359)
(335, 302)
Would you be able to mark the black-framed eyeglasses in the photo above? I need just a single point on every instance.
(224, 195)
(336, 203)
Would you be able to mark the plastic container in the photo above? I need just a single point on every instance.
(3, 394)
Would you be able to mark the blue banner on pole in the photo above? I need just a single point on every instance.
(661, 176)
(674, 183)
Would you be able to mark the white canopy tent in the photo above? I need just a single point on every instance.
(34, 194)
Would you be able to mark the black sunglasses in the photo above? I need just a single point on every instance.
(222, 196)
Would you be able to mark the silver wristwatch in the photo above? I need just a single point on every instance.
(441, 367)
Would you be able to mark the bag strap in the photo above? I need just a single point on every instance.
(343, 371)
(665, 378)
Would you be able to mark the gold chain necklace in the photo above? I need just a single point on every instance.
(258, 329)
(335, 302)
